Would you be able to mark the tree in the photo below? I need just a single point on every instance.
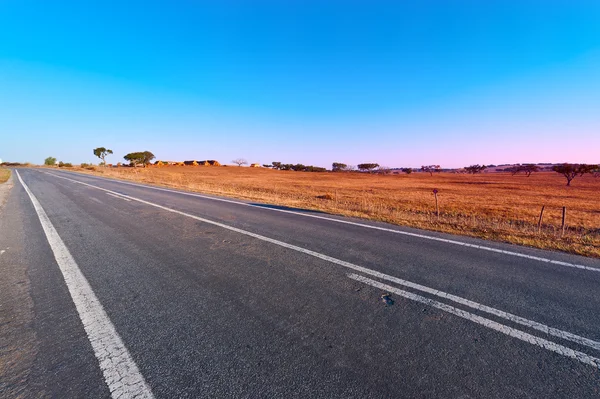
(475, 168)
(240, 161)
(367, 167)
(528, 168)
(102, 153)
(431, 168)
(299, 167)
(408, 171)
(571, 170)
(136, 158)
(50, 161)
(338, 167)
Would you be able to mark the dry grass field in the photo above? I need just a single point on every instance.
(4, 175)
(494, 206)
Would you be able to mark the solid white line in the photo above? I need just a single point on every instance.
(496, 312)
(516, 319)
(422, 236)
(512, 332)
(118, 196)
(120, 372)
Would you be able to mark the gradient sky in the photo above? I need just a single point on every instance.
(402, 84)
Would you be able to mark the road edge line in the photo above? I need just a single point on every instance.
(121, 373)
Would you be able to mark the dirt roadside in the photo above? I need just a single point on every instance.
(18, 343)
(4, 190)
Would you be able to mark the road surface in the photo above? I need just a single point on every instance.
(114, 289)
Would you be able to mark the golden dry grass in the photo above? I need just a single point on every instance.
(4, 174)
(494, 206)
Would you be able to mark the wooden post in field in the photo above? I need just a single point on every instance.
(541, 218)
(437, 209)
(564, 220)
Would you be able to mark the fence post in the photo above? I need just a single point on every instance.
(541, 218)
(564, 220)
(437, 209)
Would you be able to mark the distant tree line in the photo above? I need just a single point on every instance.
(297, 167)
(568, 170)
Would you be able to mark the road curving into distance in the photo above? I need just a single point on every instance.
(139, 291)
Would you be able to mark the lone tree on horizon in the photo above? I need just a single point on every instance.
(102, 153)
(136, 158)
(431, 168)
(338, 167)
(50, 161)
(528, 168)
(571, 170)
(240, 161)
(367, 167)
(475, 169)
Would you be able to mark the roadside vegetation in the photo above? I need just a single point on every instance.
(4, 174)
(496, 206)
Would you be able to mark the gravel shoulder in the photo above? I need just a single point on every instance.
(4, 190)
(18, 343)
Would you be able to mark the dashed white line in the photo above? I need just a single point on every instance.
(513, 318)
(120, 197)
(405, 233)
(120, 372)
(512, 332)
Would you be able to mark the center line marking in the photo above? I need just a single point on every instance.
(512, 332)
(513, 318)
(120, 372)
(118, 196)
(405, 233)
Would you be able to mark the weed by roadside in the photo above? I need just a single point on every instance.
(4, 175)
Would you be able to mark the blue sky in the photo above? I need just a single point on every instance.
(445, 82)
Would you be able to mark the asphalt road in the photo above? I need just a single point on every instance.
(114, 289)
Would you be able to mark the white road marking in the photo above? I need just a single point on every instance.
(496, 312)
(120, 197)
(532, 339)
(120, 372)
(2, 251)
(422, 236)
(516, 319)
(96, 200)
